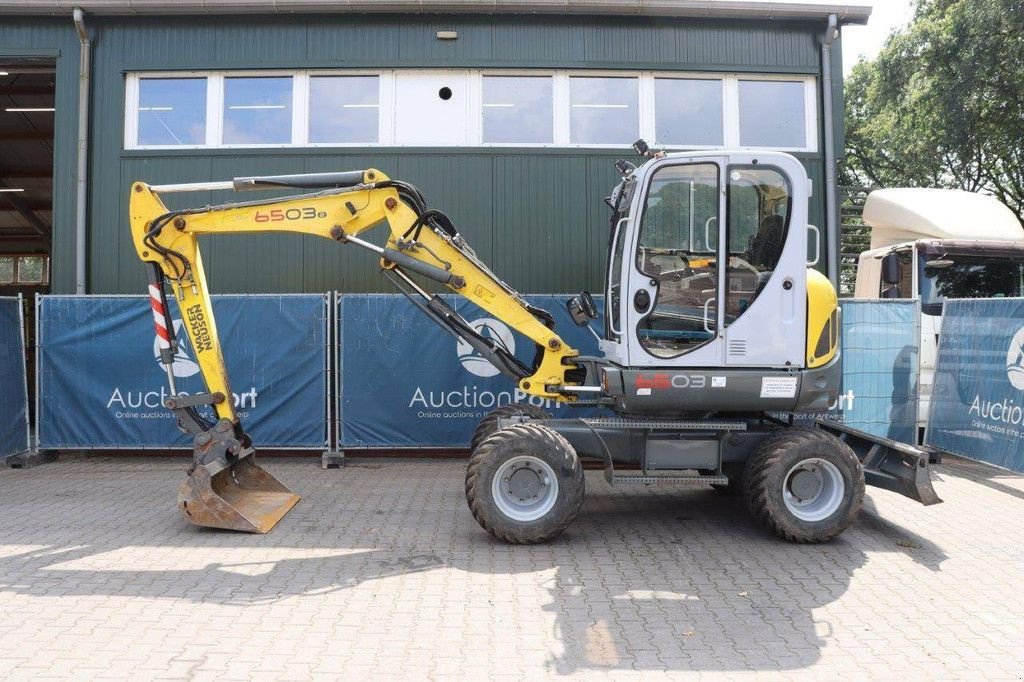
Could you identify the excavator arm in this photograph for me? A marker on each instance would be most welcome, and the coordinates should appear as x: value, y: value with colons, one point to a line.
x: 225, y: 487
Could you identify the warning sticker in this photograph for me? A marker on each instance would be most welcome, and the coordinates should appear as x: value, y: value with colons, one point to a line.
x: 717, y: 382
x: 778, y: 387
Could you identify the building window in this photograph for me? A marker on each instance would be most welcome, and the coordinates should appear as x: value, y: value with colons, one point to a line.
x: 772, y: 114
x: 470, y: 107
x: 172, y: 111
x: 24, y: 270
x: 688, y: 112
x: 604, y: 110
x: 518, y: 110
x: 344, y: 109
x: 257, y: 110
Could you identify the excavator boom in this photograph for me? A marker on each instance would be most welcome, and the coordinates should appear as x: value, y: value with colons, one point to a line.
x: 225, y: 488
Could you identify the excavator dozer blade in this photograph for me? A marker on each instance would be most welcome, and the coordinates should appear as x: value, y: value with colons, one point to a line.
x: 239, y: 495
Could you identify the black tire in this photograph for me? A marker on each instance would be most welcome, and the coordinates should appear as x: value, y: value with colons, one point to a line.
x: 489, y: 424
x: 519, y: 440
x: 764, y: 483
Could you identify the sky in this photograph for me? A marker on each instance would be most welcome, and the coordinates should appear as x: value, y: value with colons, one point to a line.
x: 867, y: 40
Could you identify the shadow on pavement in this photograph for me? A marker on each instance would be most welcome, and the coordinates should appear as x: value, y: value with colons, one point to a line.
x: 679, y: 580
x: 983, y: 474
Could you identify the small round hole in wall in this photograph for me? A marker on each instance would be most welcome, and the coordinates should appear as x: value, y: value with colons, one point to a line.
x: 445, y: 93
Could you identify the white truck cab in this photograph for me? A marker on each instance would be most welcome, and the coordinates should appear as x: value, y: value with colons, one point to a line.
x: 933, y: 244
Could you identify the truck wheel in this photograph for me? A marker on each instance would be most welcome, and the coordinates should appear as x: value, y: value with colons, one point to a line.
x: 524, y: 484
x: 804, y: 485
x: 489, y: 424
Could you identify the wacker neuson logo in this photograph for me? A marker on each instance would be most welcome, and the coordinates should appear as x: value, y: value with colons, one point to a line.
x: 471, y: 401
x: 183, y: 367
x: 1005, y: 411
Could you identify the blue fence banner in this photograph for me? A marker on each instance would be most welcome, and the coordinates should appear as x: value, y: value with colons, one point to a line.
x: 405, y: 382
x: 14, y: 438
x: 101, y: 385
x: 880, y: 342
x: 879, y: 348
x: 977, y: 406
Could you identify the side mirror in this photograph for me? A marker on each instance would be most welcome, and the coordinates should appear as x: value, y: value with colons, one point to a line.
x: 582, y: 309
x: 891, y: 268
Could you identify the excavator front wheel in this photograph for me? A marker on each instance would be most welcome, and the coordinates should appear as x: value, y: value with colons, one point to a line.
x: 524, y: 484
x: 489, y: 424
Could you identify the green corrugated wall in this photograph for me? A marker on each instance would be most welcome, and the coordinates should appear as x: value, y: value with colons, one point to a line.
x: 535, y: 214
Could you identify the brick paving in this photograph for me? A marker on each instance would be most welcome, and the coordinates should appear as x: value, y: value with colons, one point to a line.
x: 381, y: 572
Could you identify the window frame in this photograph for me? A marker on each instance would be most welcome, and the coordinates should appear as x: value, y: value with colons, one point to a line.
x: 727, y: 235
x: 382, y: 125
x: 810, y: 109
x: 651, y: 97
x: 477, y: 101
x: 16, y: 281
x: 389, y: 79
x: 719, y: 299
x: 296, y: 118
x: 566, y: 104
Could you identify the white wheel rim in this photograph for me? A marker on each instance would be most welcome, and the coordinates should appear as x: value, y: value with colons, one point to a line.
x: 525, y: 488
x: 813, y: 489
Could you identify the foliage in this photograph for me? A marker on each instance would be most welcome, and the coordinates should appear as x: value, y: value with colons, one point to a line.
x: 943, y: 103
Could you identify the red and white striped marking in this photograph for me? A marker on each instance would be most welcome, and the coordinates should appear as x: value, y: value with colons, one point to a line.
x: 156, y: 302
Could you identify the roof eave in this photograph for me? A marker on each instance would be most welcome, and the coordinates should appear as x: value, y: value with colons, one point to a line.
x: 717, y: 9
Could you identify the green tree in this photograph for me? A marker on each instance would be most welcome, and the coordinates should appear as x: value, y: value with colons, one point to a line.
x: 943, y: 103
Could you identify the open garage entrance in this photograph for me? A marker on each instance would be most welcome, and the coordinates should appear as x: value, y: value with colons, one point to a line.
x: 27, y: 90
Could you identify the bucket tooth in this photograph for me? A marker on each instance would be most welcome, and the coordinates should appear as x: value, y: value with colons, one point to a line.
x: 239, y: 495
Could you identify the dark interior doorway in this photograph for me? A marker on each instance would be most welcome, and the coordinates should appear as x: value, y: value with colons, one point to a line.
x: 27, y: 101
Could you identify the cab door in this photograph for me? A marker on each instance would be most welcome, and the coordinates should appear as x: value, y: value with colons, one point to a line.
x: 672, y: 278
x: 766, y: 233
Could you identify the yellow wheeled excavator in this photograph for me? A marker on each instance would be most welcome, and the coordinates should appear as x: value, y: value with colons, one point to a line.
x: 716, y: 321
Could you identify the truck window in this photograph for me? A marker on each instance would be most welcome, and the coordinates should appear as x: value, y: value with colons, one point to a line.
x: 968, y: 276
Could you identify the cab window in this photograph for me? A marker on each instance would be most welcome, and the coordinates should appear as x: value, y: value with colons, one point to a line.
x: 677, y: 250
x: 622, y: 200
x: 759, y: 205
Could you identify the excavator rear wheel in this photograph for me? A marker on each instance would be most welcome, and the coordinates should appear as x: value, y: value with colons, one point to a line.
x: 805, y: 485
x: 524, y: 484
x: 489, y: 424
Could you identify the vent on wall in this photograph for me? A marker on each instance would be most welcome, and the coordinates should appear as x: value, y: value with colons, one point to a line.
x: 737, y: 348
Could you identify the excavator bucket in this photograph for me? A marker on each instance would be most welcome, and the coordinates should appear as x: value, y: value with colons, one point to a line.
x: 239, y: 495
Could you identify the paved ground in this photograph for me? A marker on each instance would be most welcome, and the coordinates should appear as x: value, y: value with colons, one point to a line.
x: 382, y: 572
